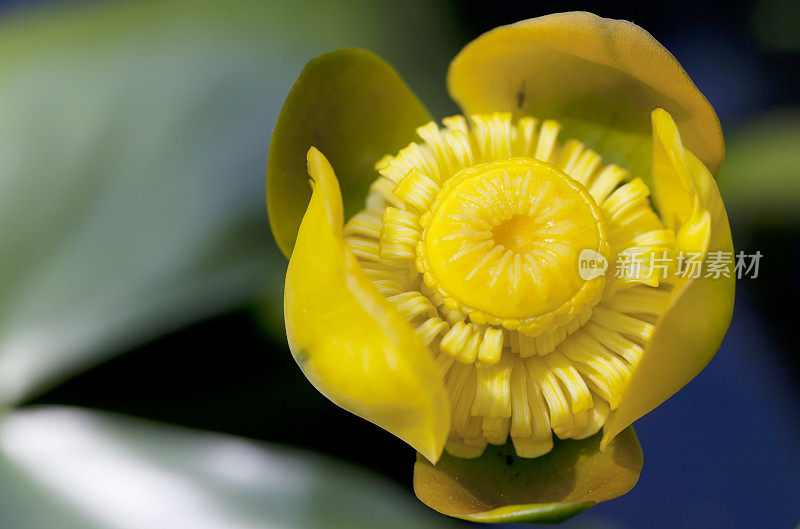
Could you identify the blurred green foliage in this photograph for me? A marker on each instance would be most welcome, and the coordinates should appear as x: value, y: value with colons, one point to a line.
x: 132, y: 153
x: 67, y: 468
x: 132, y: 159
x: 760, y: 178
x: 775, y: 24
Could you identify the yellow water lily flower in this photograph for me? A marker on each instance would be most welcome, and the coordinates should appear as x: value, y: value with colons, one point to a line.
x: 505, y: 291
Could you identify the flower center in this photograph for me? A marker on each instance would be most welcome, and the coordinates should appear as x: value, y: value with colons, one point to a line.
x: 519, y: 234
x: 475, y: 235
x: 502, y: 242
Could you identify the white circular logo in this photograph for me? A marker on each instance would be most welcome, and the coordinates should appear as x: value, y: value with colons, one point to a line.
x: 591, y: 264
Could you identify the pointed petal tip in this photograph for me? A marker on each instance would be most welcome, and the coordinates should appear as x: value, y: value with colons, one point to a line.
x: 350, y: 342
x: 431, y: 451
x: 312, y: 156
x: 690, y: 331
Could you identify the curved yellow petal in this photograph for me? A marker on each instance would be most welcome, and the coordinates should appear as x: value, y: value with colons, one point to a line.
x: 354, y: 107
x: 691, y: 329
x: 601, y: 78
x: 500, y: 487
x: 349, y: 341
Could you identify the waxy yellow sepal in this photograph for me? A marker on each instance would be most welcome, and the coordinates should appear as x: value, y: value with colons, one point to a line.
x: 351, y: 105
x: 689, y: 332
x: 599, y: 77
x: 500, y: 487
x: 349, y: 341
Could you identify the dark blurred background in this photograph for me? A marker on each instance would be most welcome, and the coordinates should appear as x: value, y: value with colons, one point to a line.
x: 722, y: 453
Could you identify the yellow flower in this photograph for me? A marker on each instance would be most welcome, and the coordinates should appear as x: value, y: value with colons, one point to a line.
x: 498, y: 289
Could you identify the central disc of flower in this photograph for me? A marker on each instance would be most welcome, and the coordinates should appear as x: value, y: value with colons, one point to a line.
x: 475, y: 234
x: 502, y: 242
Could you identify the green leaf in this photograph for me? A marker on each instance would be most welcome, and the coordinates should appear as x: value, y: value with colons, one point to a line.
x: 132, y: 164
x: 69, y: 468
x: 354, y: 108
x: 500, y: 487
x: 759, y: 177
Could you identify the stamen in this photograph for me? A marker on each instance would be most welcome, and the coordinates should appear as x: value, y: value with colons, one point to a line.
x: 523, y: 345
x: 642, y: 300
x: 456, y: 123
x: 399, y: 235
x: 379, y: 271
x: 547, y: 140
x: 414, y: 156
x: 568, y: 156
x: 363, y: 224
x: 365, y: 249
x: 474, y: 435
x: 543, y: 345
x: 416, y: 190
x: 493, y: 394
x: 459, y: 148
x: 540, y: 440
x: 525, y: 144
x: 491, y: 346
x: 637, y: 220
x: 432, y: 328
x: 413, y: 304
x: 474, y: 235
x: 571, y: 380
x: 615, y: 342
x: 495, y: 430
x: 585, y: 167
x: 623, y: 323
x: 433, y: 137
x: 605, y: 374
x: 608, y: 179
x: 443, y: 362
x: 388, y: 287
x: 381, y: 194
x: 461, y: 386
x: 521, y: 413
x: 557, y: 403
x: 657, y: 238
x: 500, y: 132
x: 457, y: 340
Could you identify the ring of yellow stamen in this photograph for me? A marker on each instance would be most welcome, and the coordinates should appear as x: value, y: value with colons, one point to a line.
x: 501, y: 243
x: 473, y: 234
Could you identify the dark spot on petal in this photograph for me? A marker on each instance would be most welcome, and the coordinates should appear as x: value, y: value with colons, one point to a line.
x: 301, y: 358
x: 521, y: 95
